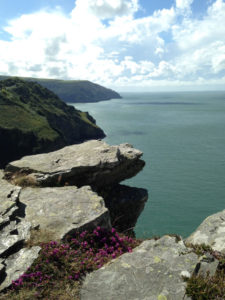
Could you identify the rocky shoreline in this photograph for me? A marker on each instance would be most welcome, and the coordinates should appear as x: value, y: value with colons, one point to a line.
x: 78, y: 188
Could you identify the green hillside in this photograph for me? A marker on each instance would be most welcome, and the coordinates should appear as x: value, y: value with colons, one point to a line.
x: 33, y: 120
x: 75, y: 90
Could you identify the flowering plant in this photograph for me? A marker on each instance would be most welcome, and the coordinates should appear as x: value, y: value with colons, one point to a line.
x: 69, y: 261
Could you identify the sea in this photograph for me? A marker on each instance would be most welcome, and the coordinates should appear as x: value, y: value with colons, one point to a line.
x: 182, y: 136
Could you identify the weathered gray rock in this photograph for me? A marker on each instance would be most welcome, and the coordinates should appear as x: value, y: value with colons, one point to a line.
x: 8, y: 199
x: 125, y: 205
x: 56, y: 210
x: 211, y: 232
x: 207, y: 266
x: 154, y: 271
x: 64, y: 209
x: 13, y: 234
x: 91, y: 163
x: 17, y: 264
x: 57, y: 206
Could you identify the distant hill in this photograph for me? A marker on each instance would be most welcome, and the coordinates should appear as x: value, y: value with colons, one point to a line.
x: 34, y: 120
x: 75, y: 90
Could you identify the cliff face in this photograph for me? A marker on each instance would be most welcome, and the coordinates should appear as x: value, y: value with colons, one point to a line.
x: 75, y: 90
x: 62, y: 192
x: 33, y: 120
x: 77, y: 188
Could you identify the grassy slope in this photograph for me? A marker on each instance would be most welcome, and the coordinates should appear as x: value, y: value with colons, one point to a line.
x: 33, y: 119
x: 75, y: 90
x: 17, y: 112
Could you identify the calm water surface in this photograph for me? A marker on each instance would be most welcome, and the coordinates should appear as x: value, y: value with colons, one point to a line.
x: 182, y: 137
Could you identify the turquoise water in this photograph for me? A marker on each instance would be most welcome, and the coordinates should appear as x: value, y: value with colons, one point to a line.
x: 182, y: 136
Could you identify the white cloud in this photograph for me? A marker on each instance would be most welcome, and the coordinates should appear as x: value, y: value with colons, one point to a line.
x: 200, y: 44
x: 194, y: 33
x: 138, y: 30
x: 167, y: 47
x: 106, y: 8
x: 184, y: 5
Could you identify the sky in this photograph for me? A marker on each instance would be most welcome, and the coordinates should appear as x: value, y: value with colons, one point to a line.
x: 127, y: 45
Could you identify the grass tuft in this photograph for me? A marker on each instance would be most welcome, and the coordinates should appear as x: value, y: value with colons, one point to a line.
x: 200, y: 249
x: 208, y: 287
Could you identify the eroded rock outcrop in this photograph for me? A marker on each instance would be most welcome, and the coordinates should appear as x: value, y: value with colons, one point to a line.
x: 72, y: 189
x: 92, y: 163
x: 78, y: 188
x: 211, y: 232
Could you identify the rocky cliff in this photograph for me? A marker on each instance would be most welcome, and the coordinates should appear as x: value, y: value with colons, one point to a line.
x: 78, y: 188
x: 34, y: 120
x: 75, y: 90
x: 62, y: 192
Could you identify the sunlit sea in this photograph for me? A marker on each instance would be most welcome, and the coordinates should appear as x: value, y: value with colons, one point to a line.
x: 182, y: 135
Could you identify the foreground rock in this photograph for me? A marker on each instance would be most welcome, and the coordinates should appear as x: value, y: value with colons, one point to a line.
x: 211, y: 232
x: 16, y: 265
x: 57, y: 211
x: 63, y: 192
x: 91, y: 163
x: 154, y: 271
x: 9, y: 194
x: 61, y: 211
x: 14, y: 231
x: 12, y: 236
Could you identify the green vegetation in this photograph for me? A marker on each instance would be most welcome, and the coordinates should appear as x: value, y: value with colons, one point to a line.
x: 75, y: 90
x: 200, y: 250
x: 207, y: 287
x: 33, y: 120
x: 20, y: 118
x: 86, y: 117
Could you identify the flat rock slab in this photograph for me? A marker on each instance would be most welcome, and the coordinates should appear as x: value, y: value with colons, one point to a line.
x: 17, y: 264
x: 91, y: 163
x: 152, y: 272
x: 9, y: 195
x: 64, y: 209
x: 211, y: 232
